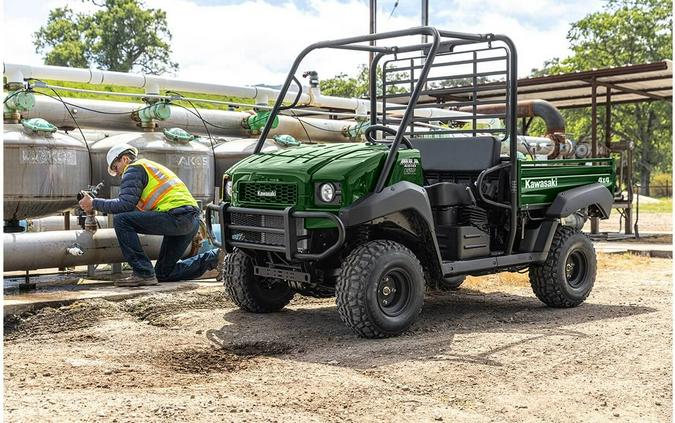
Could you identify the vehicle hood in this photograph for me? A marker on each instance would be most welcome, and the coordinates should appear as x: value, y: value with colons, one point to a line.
x: 329, y: 161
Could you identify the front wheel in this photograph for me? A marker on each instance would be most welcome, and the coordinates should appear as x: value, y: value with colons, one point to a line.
x: 380, y: 289
x: 567, y: 276
x: 250, y: 292
x: 451, y: 283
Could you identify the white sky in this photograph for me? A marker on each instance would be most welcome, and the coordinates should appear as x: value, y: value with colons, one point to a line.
x: 255, y: 41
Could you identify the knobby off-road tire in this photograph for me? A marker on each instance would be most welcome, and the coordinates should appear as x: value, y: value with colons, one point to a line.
x: 250, y: 292
x: 567, y: 276
x: 380, y: 289
x: 452, y: 283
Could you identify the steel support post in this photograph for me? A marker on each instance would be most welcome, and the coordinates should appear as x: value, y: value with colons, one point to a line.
x: 595, y: 223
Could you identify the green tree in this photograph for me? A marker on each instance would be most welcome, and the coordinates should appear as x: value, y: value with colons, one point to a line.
x: 624, y: 32
x: 121, y: 36
x: 343, y: 85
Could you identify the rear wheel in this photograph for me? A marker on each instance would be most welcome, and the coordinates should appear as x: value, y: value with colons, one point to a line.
x: 380, y: 289
x: 567, y: 276
x: 250, y: 292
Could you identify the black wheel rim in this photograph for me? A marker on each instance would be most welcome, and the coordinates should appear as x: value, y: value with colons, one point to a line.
x: 393, y: 291
x: 575, y: 269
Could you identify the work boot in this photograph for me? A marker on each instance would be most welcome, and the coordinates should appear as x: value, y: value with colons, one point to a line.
x: 220, y: 265
x: 135, y: 280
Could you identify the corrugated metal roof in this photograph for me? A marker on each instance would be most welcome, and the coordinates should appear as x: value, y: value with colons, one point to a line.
x: 631, y: 83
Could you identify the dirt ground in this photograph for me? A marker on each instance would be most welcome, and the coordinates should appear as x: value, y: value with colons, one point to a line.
x: 647, y: 222
x: 488, y: 352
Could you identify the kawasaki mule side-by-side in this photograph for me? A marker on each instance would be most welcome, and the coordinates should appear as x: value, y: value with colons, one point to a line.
x: 427, y: 200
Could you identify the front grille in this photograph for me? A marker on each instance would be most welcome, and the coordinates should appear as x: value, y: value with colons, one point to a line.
x: 259, y: 221
x: 275, y: 193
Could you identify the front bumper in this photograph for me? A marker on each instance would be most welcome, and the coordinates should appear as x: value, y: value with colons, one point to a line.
x: 284, y: 233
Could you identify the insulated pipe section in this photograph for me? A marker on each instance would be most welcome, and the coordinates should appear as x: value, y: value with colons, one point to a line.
x: 362, y: 106
x: 545, y: 146
x: 117, y: 116
x: 151, y: 83
x: 555, y: 123
x: 57, y: 223
x: 68, y: 248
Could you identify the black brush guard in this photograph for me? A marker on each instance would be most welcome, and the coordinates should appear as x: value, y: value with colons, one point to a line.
x: 289, y: 230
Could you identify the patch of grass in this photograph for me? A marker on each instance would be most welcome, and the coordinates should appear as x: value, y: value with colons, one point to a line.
x: 665, y: 205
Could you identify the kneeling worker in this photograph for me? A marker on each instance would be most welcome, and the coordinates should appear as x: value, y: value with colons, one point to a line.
x: 154, y: 201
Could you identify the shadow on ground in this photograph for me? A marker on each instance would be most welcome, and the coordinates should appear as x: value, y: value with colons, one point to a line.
x: 316, y: 333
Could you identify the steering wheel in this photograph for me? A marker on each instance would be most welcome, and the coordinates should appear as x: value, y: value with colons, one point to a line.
x: 391, y: 131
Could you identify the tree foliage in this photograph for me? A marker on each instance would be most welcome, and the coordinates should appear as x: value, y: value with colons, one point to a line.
x: 343, y: 85
x: 121, y: 36
x: 624, y: 32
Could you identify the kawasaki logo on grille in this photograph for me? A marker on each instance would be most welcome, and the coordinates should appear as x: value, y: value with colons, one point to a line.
x: 546, y: 183
x: 267, y: 193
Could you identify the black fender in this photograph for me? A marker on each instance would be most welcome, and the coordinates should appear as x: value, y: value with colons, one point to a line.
x: 399, y: 197
x: 595, y: 196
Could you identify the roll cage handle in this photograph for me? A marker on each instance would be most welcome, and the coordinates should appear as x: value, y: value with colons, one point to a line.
x: 479, y: 185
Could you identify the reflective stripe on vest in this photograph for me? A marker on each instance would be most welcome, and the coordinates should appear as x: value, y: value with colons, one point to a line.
x: 157, y: 194
x: 164, y: 190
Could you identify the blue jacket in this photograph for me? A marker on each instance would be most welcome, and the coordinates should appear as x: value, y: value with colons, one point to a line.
x: 134, y: 181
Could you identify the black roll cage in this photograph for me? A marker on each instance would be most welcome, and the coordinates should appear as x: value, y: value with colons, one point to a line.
x: 437, y: 45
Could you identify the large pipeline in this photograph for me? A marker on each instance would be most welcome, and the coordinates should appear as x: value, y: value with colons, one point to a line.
x: 117, y: 116
x: 43, y: 250
x: 153, y: 84
x: 57, y: 223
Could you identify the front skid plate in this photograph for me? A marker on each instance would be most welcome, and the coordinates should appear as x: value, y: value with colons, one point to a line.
x: 288, y: 275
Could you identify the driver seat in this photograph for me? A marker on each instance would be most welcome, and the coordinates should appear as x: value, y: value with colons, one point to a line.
x: 450, y: 166
x: 459, y: 155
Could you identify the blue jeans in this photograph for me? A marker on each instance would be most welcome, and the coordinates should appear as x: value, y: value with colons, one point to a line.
x: 178, y: 226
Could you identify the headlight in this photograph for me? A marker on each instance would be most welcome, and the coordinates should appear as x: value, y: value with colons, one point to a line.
x: 228, y: 189
x: 327, y: 192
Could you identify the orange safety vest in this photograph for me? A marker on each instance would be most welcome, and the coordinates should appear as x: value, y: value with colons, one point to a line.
x: 164, y: 190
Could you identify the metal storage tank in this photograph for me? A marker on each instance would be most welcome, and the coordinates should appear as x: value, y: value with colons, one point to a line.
x: 43, y: 169
x: 230, y: 152
x: 191, y: 159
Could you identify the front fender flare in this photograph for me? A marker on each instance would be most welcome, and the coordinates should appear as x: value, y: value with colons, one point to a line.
x: 401, y: 196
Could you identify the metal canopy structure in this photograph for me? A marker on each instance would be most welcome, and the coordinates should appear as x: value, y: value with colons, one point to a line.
x: 625, y: 84
x: 616, y: 85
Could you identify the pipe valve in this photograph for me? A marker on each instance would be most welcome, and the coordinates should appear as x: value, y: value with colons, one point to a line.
x: 256, y: 122
x: 75, y: 250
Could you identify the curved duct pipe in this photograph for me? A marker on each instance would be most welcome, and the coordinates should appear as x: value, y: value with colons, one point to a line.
x: 555, y: 124
x: 69, y: 248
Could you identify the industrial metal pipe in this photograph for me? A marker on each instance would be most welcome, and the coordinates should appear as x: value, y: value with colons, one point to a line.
x: 43, y: 250
x: 555, y: 123
x: 153, y: 84
x: 117, y: 116
x: 57, y: 223
x: 528, y: 108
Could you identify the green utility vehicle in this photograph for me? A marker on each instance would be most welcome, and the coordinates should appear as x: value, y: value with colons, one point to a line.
x: 424, y: 202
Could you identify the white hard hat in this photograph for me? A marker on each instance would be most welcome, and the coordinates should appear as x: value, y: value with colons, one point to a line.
x: 115, y: 152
